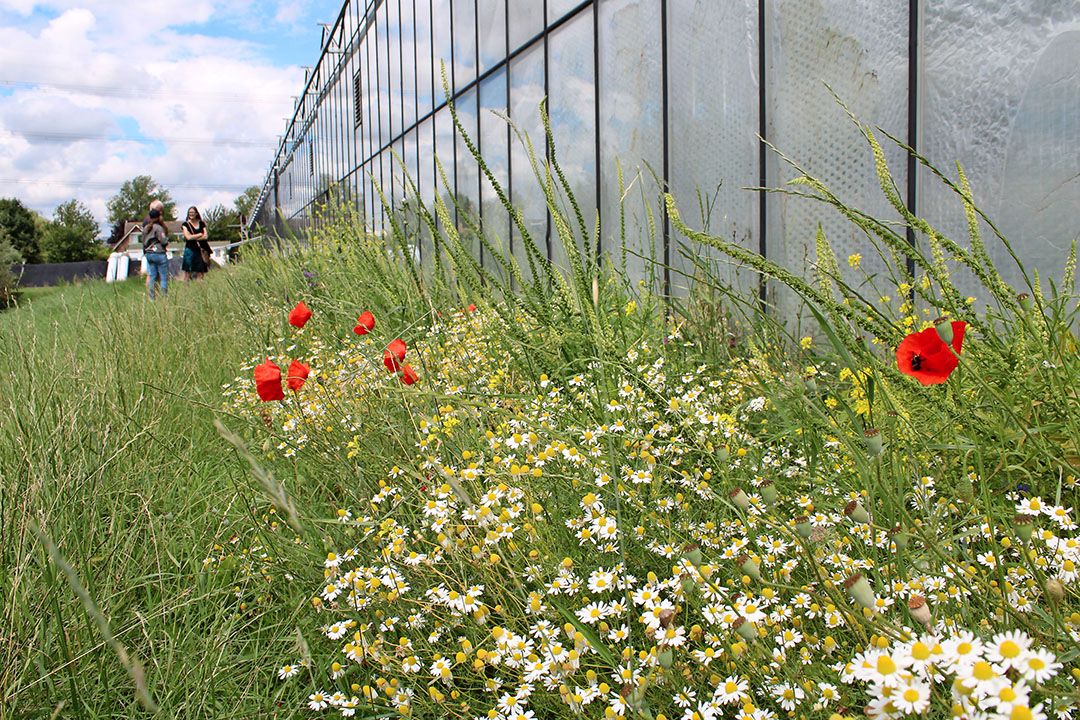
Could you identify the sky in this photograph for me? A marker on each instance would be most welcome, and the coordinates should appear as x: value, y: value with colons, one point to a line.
x: 191, y: 92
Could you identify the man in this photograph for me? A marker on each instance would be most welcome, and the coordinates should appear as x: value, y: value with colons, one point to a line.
x: 155, y: 240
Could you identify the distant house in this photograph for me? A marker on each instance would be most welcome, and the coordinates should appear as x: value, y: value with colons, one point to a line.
x: 130, y: 242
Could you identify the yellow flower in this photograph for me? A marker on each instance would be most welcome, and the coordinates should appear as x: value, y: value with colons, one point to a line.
x: 854, y: 260
x: 806, y: 342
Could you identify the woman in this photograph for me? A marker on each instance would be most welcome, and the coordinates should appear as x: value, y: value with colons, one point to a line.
x: 196, y: 248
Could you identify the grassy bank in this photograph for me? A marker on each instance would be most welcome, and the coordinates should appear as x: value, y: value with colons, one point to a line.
x: 107, y: 444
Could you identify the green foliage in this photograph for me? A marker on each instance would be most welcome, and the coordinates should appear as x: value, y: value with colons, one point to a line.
x: 133, y: 200
x: 8, y: 256
x: 22, y: 230
x: 222, y: 224
x: 72, y: 235
x: 245, y: 201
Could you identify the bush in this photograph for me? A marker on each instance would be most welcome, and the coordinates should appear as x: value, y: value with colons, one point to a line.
x: 8, y: 282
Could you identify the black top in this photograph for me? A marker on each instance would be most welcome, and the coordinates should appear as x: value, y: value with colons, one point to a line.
x: 195, y: 230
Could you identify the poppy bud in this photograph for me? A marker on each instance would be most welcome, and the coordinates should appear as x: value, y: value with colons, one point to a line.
x: 1024, y: 526
x: 965, y: 489
x: 297, y: 375
x: 857, y: 512
x: 408, y: 375
x: 872, y: 438
x: 365, y: 323
x: 740, y: 498
x: 803, y: 527
x: 688, y: 584
x: 749, y: 566
x: 692, y: 553
x: 1055, y: 590
x: 944, y: 329
x: 860, y: 590
x: 744, y: 628
x: 1025, y: 301
x: 810, y: 382
x: 768, y: 492
x: 299, y: 315
x: 268, y: 381
x: 722, y: 455
x: 900, y: 537
x: 666, y: 658
x: 919, y: 610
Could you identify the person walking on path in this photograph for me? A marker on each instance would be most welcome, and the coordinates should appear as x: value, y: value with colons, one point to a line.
x: 196, y: 248
x: 155, y: 240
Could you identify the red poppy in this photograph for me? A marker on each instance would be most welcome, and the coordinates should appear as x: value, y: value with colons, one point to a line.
x: 408, y: 375
x: 925, y: 356
x: 471, y: 308
x: 365, y: 323
x: 394, y: 355
x: 268, y: 381
x: 299, y: 315
x: 298, y: 373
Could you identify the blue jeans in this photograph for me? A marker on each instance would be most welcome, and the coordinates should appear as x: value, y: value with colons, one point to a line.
x: 157, y: 267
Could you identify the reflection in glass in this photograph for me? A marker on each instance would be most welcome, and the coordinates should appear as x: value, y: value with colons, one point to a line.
x: 393, y: 51
x: 408, y: 64
x: 440, y: 19
x: 423, y: 57
x: 526, y: 92
x: 573, y: 121
x: 464, y: 42
x: 526, y: 21
x: 494, y: 149
x: 556, y: 9
x: 491, y: 15
x: 468, y: 174
x: 631, y: 132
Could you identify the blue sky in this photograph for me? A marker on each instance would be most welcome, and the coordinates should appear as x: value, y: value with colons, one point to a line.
x: 192, y: 92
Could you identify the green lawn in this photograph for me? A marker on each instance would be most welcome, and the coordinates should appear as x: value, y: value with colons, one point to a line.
x: 107, y: 443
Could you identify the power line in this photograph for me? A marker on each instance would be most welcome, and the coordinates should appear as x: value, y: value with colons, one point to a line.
x: 108, y: 184
x: 216, y: 142
x: 127, y: 91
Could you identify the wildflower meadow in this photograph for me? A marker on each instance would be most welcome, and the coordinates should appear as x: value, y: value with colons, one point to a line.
x: 466, y: 491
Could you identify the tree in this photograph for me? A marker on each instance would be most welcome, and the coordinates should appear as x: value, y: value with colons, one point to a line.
x: 72, y: 235
x: 8, y: 256
x: 222, y: 224
x: 134, y: 198
x: 245, y: 202
x: 18, y: 222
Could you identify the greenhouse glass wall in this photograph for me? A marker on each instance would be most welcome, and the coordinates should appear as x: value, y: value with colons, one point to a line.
x: 690, y: 94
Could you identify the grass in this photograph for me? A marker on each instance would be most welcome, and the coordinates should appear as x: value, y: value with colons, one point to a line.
x: 107, y: 444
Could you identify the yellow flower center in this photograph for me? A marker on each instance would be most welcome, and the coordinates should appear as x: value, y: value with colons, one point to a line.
x: 911, y: 695
x: 1009, y: 649
x: 920, y: 651
x: 885, y: 665
x: 982, y: 670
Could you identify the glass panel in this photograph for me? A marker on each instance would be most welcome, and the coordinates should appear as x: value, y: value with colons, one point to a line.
x: 408, y: 64
x: 444, y: 151
x: 425, y: 144
x: 492, y: 17
x: 423, y: 57
x: 371, y: 98
x: 440, y: 19
x: 468, y: 175
x: 393, y: 51
x: 556, y: 9
x: 860, y: 51
x: 464, y: 42
x: 526, y: 92
x: 382, y: 61
x: 632, y: 130
x: 526, y: 21
x: 573, y: 121
x: 494, y: 149
x: 1001, y: 95
x: 714, y: 148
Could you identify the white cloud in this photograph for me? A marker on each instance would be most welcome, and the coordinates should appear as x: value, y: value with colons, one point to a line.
x: 76, y: 78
